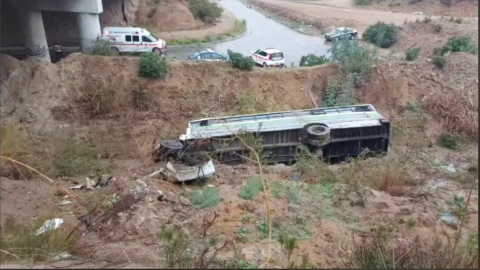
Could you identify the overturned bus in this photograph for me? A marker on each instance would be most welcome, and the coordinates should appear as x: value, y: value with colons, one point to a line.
x: 329, y: 133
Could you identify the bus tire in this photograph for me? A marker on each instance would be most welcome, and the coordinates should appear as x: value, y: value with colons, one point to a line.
x: 317, y: 132
x: 166, y: 149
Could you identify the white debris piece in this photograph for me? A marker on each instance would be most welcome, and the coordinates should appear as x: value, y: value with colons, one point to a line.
x: 50, y: 225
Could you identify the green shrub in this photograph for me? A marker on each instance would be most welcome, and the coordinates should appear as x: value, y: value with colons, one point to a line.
x: 412, y: 54
x: 439, y: 61
x: 310, y: 60
x: 240, y: 62
x: 207, y: 197
x: 250, y: 189
x: 362, y: 2
x: 153, y: 65
x: 458, y: 44
x: 381, y: 34
x: 102, y: 46
x: 353, y: 60
x: 451, y: 140
x: 205, y: 10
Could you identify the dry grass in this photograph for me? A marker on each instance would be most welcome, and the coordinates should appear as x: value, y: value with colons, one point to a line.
x: 20, y: 242
x: 96, y: 98
x: 55, y: 156
x: 145, y: 148
x: 458, y: 109
x: 394, y: 182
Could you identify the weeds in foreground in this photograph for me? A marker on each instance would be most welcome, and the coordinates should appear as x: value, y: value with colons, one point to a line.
x: 102, y: 46
x: 97, y: 98
x: 241, y: 234
x: 412, y: 54
x: 458, y: 110
x: 140, y: 99
x: 451, y: 141
x: 20, y: 242
x: 153, y: 65
x: 377, y: 254
x: 181, y: 251
x: 239, y: 61
x: 208, y: 197
x: 251, y: 188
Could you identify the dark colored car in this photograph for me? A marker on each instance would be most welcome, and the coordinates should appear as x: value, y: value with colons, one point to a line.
x: 209, y: 55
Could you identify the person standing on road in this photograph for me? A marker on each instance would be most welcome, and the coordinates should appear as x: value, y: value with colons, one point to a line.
x: 58, y: 51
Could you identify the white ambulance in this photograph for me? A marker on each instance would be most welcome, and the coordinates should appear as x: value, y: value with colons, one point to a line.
x: 133, y: 39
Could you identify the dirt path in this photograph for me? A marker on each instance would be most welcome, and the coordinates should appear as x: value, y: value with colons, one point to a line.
x: 336, y: 13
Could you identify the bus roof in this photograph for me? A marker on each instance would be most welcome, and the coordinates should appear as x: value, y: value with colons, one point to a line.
x: 334, y: 117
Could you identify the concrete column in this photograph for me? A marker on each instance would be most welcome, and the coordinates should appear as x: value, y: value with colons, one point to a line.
x: 35, y: 37
x: 89, y: 29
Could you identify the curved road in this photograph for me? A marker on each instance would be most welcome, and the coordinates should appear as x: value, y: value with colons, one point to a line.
x: 262, y: 32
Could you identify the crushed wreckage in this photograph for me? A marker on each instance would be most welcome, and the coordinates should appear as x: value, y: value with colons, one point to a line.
x: 328, y: 133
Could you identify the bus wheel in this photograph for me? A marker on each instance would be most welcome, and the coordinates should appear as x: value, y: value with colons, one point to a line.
x: 317, y: 132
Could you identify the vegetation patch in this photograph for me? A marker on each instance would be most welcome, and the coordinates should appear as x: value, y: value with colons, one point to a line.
x: 240, y: 28
x: 362, y: 2
x: 208, y: 197
x: 239, y: 61
x: 311, y: 60
x: 102, y: 46
x: 153, y: 65
x: 458, y: 44
x: 381, y: 34
x: 206, y: 11
x: 451, y: 141
x: 412, y: 54
x: 251, y: 188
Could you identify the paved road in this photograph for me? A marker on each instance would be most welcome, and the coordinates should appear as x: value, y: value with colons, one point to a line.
x: 263, y: 32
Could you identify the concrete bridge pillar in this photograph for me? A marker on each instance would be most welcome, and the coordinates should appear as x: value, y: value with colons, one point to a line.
x: 89, y: 29
x: 35, y: 37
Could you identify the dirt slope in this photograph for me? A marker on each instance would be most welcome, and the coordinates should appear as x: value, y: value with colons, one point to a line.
x: 47, y: 95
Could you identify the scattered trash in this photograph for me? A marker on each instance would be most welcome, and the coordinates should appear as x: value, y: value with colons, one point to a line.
x: 88, y: 183
x: 65, y: 202
x: 188, y: 173
x: 62, y: 256
x: 436, y: 183
x: 450, y: 220
x: 449, y: 168
x: 104, y: 181
x: 77, y: 187
x: 49, y: 225
x: 160, y: 195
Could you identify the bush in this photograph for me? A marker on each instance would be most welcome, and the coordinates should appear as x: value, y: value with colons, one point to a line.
x: 458, y: 44
x: 362, y: 2
x: 381, y: 34
x: 153, y: 65
x: 250, y: 189
x: 207, y: 197
x: 353, y: 60
x: 439, y: 61
x: 451, y: 140
x: 311, y: 60
x: 412, y: 54
x: 102, y: 46
x: 205, y: 10
x: 241, y: 62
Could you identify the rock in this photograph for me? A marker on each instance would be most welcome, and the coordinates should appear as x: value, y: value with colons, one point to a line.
x: 277, y: 168
x: 406, y: 211
x: 449, y: 168
x: 160, y: 195
x: 184, y: 201
x: 381, y: 205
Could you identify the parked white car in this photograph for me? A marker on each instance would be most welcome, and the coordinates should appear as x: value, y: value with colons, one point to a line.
x: 268, y: 57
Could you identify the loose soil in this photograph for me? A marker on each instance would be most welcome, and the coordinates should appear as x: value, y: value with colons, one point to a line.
x: 329, y: 14
x: 49, y: 99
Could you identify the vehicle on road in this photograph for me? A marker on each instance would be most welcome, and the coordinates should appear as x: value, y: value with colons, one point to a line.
x: 268, y: 57
x: 209, y: 55
x: 133, y: 39
x: 328, y: 133
x: 341, y: 32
